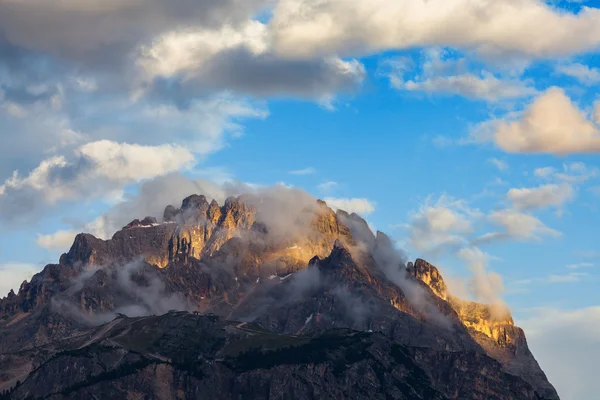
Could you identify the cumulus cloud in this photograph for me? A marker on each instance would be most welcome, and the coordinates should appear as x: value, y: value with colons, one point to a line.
x: 541, y: 197
x: 351, y: 205
x: 240, y: 60
x: 440, y: 224
x: 552, y: 124
x: 309, y: 27
x: 176, y: 51
x: 566, y: 344
x: 98, y: 169
x: 583, y: 73
x: 85, y: 32
x: 516, y: 226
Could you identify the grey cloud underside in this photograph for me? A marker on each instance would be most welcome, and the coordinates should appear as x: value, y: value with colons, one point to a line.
x: 92, y: 33
x: 24, y: 205
x: 103, y: 40
x: 264, y: 75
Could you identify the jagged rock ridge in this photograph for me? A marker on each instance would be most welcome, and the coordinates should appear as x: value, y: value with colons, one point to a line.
x: 328, y: 272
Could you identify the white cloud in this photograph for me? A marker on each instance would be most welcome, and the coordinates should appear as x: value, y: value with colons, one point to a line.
x: 177, y: 51
x: 583, y: 73
x: 442, y: 141
x: 327, y: 186
x: 552, y: 124
x: 124, y: 162
x: 516, y: 226
x: 98, y: 163
x: 486, y: 87
x: 575, y: 172
x: 571, y: 277
x: 309, y: 27
x: 588, y: 254
x: 58, y: 241
x: 45, y: 27
x: 305, y: 171
x: 358, y: 206
x: 566, y: 343
x: 441, y: 74
x: 440, y: 224
x: 541, y: 197
x: 545, y: 172
x: 12, y: 275
x: 500, y: 164
x: 98, y: 170
x: 580, y: 265
x: 240, y: 58
x: 487, y: 286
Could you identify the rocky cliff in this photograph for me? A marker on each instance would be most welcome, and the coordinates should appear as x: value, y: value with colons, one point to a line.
x: 286, y: 275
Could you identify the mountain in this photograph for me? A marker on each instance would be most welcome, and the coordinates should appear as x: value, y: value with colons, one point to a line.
x: 278, y: 297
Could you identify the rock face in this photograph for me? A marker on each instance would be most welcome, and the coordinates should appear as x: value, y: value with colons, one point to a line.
x: 492, y: 327
x: 181, y: 355
x: 323, y: 307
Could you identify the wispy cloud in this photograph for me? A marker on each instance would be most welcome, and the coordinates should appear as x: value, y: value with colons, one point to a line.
x: 583, y: 73
x: 305, y: 171
x: 541, y: 197
x: 350, y: 205
x: 441, y: 73
x: 580, y: 265
x: 327, y: 186
x: 500, y: 164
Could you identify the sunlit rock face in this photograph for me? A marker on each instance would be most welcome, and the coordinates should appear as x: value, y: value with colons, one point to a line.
x: 429, y: 274
x: 487, y: 319
x: 199, y: 229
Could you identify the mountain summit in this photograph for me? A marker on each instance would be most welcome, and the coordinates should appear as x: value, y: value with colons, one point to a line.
x: 266, y: 297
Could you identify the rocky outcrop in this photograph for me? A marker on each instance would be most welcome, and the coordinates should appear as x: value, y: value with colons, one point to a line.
x: 430, y: 275
x: 492, y: 327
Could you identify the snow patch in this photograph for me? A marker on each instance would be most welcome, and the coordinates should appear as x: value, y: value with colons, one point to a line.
x: 285, y: 277
x: 272, y: 277
x: 309, y: 319
x: 152, y: 225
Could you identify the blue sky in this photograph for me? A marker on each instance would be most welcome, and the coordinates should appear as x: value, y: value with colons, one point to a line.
x: 466, y: 130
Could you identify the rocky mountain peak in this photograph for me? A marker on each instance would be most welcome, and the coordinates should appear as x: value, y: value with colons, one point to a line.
x: 430, y: 275
x: 194, y: 201
x: 327, y: 270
